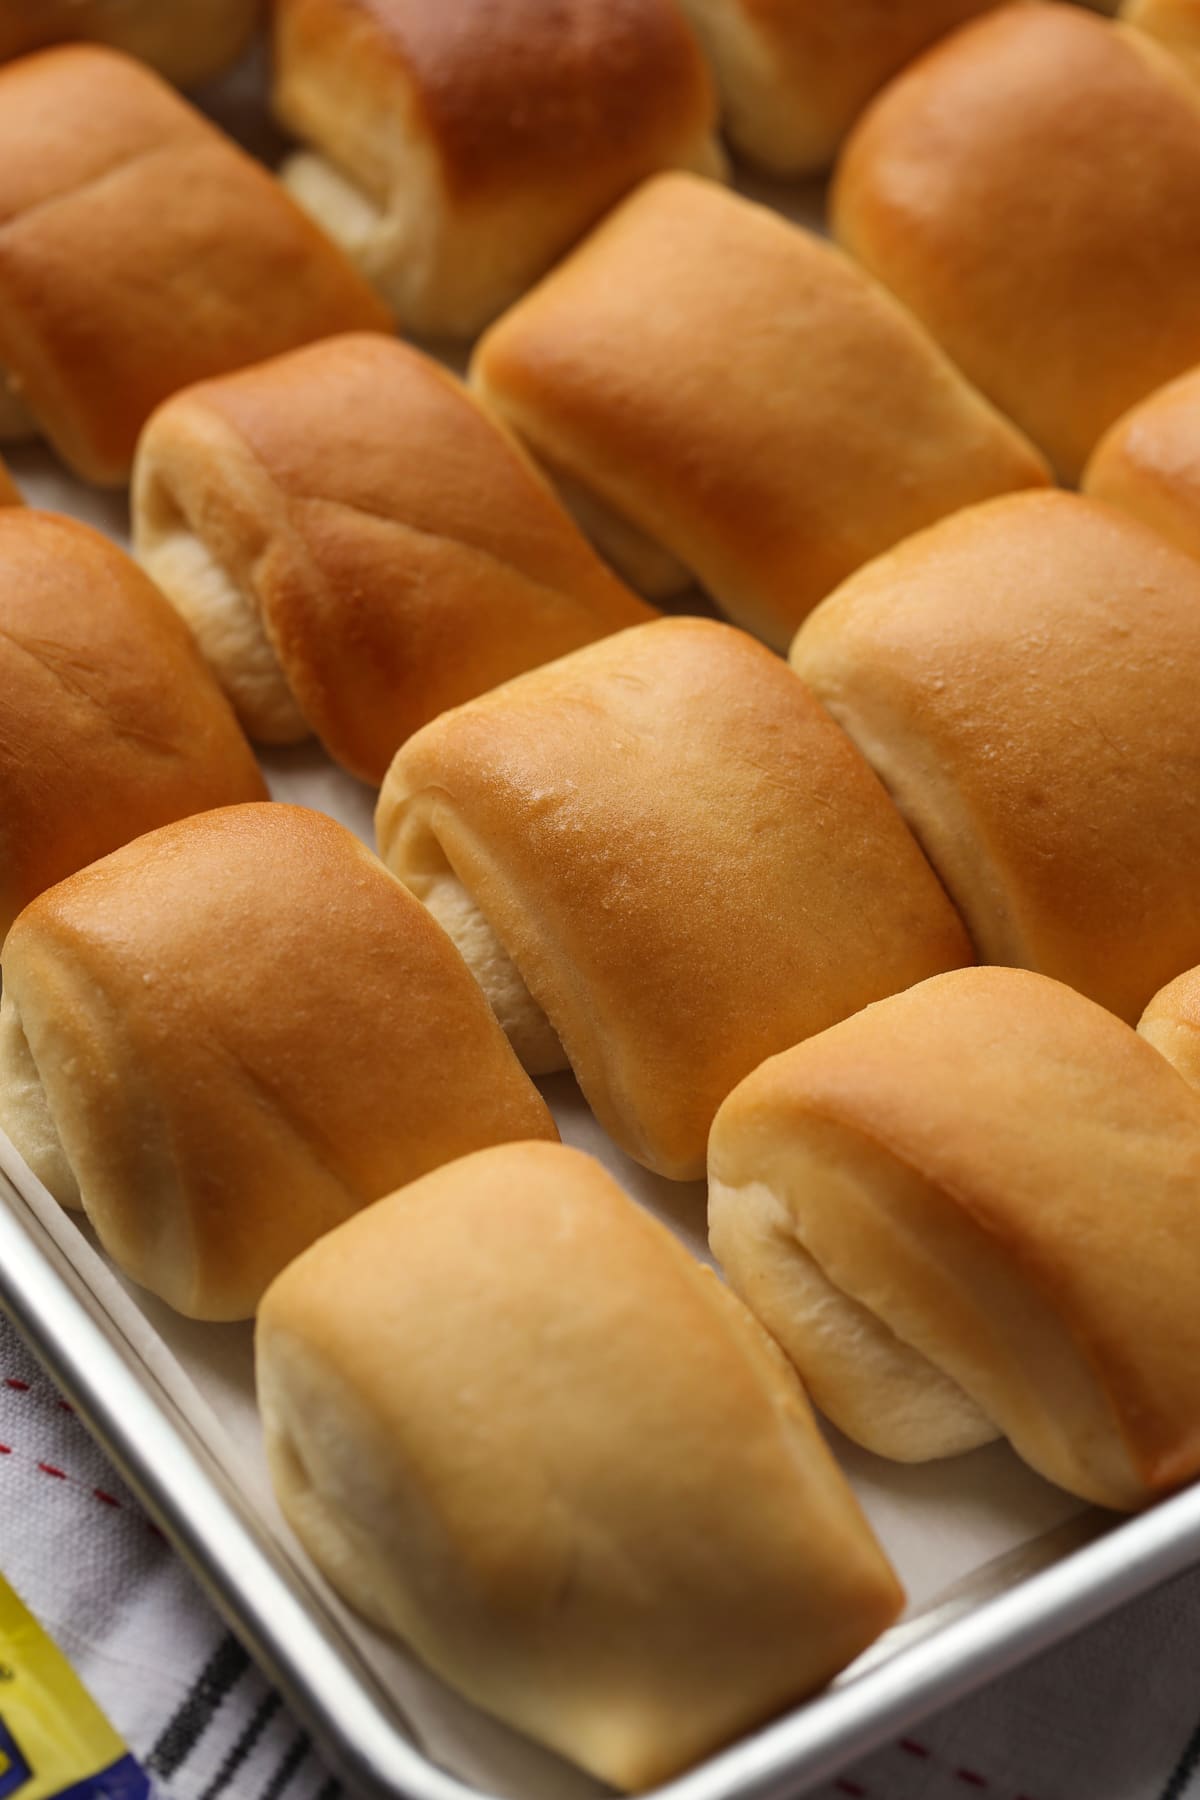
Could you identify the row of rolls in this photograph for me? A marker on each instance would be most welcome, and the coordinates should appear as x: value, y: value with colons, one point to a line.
x: 743, y: 899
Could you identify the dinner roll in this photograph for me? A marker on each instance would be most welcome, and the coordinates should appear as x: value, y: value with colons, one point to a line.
x: 227, y: 1037
x: 141, y: 250
x: 662, y: 851
x: 1148, y: 464
x: 1023, y: 679
x: 972, y: 1209
x: 795, y: 74
x: 737, y: 394
x: 1044, y: 229
x: 186, y: 40
x: 1171, y: 1023
x: 458, y: 150
x: 9, y: 494
x: 357, y: 546
x: 514, y: 1422
x: 110, y: 724
x: 1174, y: 23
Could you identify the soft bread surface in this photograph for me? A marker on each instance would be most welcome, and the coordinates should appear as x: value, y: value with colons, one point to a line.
x: 186, y: 40
x: 1023, y: 678
x: 140, y: 251
x: 110, y: 723
x: 513, y: 1421
x: 239, y: 1030
x: 358, y: 546
x: 1046, y: 233
x: 1171, y: 1023
x: 748, y: 400
x: 685, y: 860
x: 795, y: 74
x: 1148, y: 464
x: 1000, y: 1178
x: 1175, y: 24
x: 461, y: 149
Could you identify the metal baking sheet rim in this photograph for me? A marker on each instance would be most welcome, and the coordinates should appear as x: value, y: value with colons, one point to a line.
x: 918, y: 1668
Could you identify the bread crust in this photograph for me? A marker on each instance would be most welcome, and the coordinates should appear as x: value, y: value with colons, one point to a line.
x: 212, y: 1132
x: 188, y: 41
x: 113, y: 293
x: 738, y: 391
x: 397, y: 549
x: 110, y: 723
x: 1065, y: 300
x: 1148, y: 463
x: 515, y: 1422
x: 687, y: 862
x: 1022, y: 678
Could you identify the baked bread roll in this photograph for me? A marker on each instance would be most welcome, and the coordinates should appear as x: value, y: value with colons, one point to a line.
x: 1023, y: 679
x: 110, y: 724
x: 225, y: 1038
x: 357, y: 546
x: 1148, y: 464
x: 9, y: 494
x: 795, y: 74
x: 186, y: 40
x: 141, y: 250
x: 1174, y: 23
x: 1171, y: 1023
x: 458, y: 150
x: 971, y: 1209
x: 1045, y: 231
x: 633, y: 1549
x: 662, y: 853
x: 737, y: 393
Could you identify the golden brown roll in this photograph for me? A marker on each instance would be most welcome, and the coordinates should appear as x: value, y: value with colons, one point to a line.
x: 1148, y: 463
x: 139, y: 251
x: 971, y: 1210
x: 1171, y: 1023
x: 9, y: 492
x: 663, y: 862
x: 357, y: 546
x: 514, y: 1422
x: 110, y: 723
x: 795, y: 74
x: 1045, y: 231
x: 458, y: 150
x: 1023, y: 679
x: 1174, y: 23
x: 186, y: 40
x: 228, y: 1036
x: 737, y: 393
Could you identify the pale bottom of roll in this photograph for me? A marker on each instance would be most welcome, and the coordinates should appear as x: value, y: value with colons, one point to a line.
x: 222, y: 618
x: 875, y: 1388
x: 25, y: 1116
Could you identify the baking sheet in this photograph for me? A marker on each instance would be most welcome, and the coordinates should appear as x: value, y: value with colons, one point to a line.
x: 957, y: 1532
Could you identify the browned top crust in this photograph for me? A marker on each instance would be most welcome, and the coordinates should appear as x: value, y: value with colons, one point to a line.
x: 140, y: 251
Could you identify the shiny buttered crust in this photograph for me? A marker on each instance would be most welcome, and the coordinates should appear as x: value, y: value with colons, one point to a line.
x: 227, y: 1037
x: 186, y: 40
x: 1171, y: 1023
x: 458, y: 150
x: 358, y: 546
x: 1047, y: 234
x: 1176, y: 26
x: 740, y: 393
x: 978, y: 1197
x: 795, y: 74
x: 1149, y: 463
x: 140, y: 251
x: 514, y: 1422
x: 688, y: 864
x: 1023, y: 678
x: 110, y: 723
